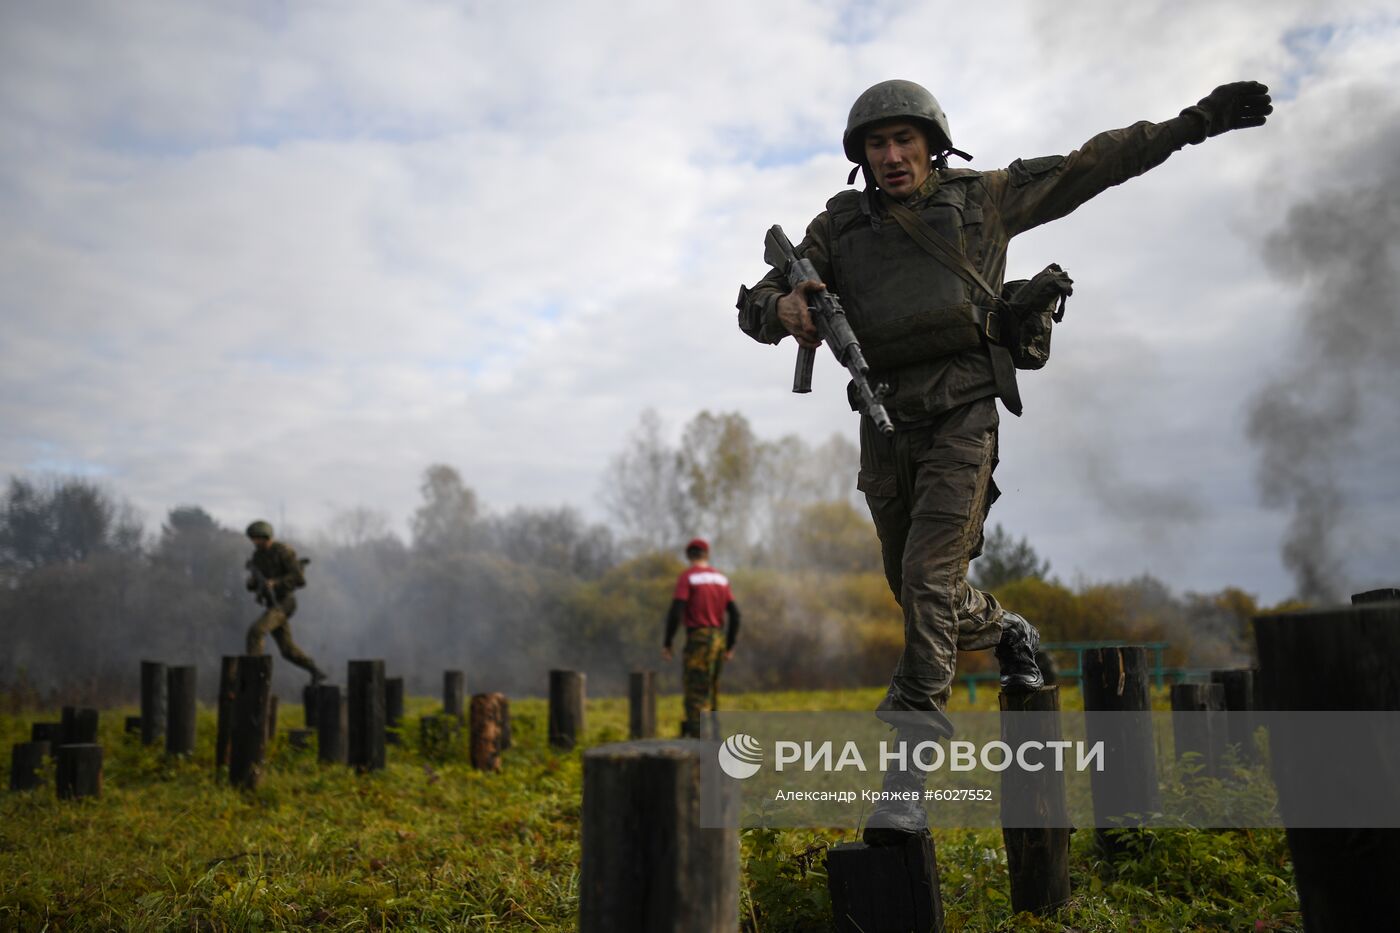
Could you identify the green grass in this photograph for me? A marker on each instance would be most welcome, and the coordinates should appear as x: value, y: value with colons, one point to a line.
x: 438, y: 846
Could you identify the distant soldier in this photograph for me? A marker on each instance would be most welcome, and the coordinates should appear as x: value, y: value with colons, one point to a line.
x: 703, y: 600
x: 273, y: 572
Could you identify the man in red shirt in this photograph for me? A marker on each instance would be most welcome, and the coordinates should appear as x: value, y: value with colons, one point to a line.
x: 703, y: 600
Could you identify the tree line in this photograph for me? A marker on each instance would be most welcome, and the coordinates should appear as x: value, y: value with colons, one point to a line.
x: 87, y: 591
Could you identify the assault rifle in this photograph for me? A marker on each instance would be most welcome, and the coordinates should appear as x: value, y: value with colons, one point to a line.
x: 832, y: 327
x: 263, y: 590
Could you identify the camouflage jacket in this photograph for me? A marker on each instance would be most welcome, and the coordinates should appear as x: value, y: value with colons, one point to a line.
x: 279, y: 564
x: 1026, y: 194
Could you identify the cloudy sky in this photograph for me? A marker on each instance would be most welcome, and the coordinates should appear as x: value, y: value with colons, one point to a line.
x: 276, y: 258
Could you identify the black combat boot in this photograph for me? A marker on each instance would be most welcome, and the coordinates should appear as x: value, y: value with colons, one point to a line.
x: 1016, y: 652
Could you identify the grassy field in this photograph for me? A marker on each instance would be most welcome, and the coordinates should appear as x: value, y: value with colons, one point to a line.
x: 438, y: 846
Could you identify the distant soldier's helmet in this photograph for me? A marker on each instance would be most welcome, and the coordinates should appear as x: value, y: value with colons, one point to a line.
x: 895, y: 100
x: 259, y: 529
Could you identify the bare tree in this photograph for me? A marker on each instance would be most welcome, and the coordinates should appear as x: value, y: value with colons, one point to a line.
x: 643, y: 491
x: 447, y: 518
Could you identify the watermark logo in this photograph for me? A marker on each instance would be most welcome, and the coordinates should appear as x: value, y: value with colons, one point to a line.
x: 740, y: 756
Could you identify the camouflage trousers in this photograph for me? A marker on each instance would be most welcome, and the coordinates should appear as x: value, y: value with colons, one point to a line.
x: 278, y: 624
x: 700, y: 666
x: 929, y: 490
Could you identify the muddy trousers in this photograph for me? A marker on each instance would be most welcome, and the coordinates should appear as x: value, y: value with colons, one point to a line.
x: 700, y: 665
x: 278, y: 624
x: 929, y: 490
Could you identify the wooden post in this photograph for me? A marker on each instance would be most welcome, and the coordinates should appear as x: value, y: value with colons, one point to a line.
x: 79, y: 726
x: 454, y: 693
x: 79, y: 771
x: 486, y: 731
x: 1198, y: 724
x: 1114, y: 682
x: 366, y: 714
x: 228, y: 696
x: 393, y: 709
x: 181, y: 703
x: 50, y: 732
x: 641, y: 704
x: 330, y: 725
x: 439, y: 736
x: 272, y: 703
x: 26, y: 762
x: 1034, y: 815
x: 1339, y: 659
x: 885, y: 888
x: 647, y: 864
x: 308, y: 706
x: 1239, y: 711
x: 566, y: 708
x: 248, y: 749
x: 152, y: 702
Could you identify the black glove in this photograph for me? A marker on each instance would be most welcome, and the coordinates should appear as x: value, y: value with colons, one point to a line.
x: 1231, y: 107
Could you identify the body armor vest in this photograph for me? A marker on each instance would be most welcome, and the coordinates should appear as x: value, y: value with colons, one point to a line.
x: 904, y: 305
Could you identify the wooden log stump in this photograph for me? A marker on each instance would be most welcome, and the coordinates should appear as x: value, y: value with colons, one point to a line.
x: 79, y: 772
x: 300, y: 739
x: 272, y: 704
x: 79, y: 726
x: 331, y: 744
x: 365, y: 710
x: 393, y: 709
x: 50, y: 732
x: 132, y: 725
x: 641, y: 704
x: 228, y: 696
x: 566, y: 708
x: 647, y: 863
x: 26, y: 765
x: 487, y: 716
x: 248, y: 748
x: 182, y: 707
x: 1335, y: 660
x: 153, y: 685
x: 454, y: 693
x: 1034, y: 813
x: 308, y: 706
x: 884, y: 889
x: 1240, y: 721
x: 1198, y: 725
x: 1114, y: 683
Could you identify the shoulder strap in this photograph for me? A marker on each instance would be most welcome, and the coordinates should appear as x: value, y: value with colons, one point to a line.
x: 938, y: 247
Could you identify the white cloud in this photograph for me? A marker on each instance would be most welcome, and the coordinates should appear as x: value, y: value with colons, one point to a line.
x: 282, y: 260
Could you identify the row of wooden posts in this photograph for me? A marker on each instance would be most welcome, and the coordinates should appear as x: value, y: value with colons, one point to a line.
x: 350, y: 726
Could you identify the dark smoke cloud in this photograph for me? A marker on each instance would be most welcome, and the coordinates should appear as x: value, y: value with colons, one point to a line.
x: 1338, y: 246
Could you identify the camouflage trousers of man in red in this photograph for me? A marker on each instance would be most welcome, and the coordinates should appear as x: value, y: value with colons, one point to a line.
x: 701, y: 664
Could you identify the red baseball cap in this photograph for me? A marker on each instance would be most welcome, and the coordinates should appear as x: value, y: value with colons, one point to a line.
x: 698, y: 543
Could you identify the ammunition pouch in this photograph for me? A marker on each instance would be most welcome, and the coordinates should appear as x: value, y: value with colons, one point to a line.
x: 1027, y: 311
x: 915, y: 338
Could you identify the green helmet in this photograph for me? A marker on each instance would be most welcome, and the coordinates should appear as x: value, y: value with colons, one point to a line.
x: 259, y: 529
x: 894, y: 100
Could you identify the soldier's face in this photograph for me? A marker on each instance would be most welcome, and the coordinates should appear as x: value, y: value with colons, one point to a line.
x: 261, y: 543
x: 898, y: 157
